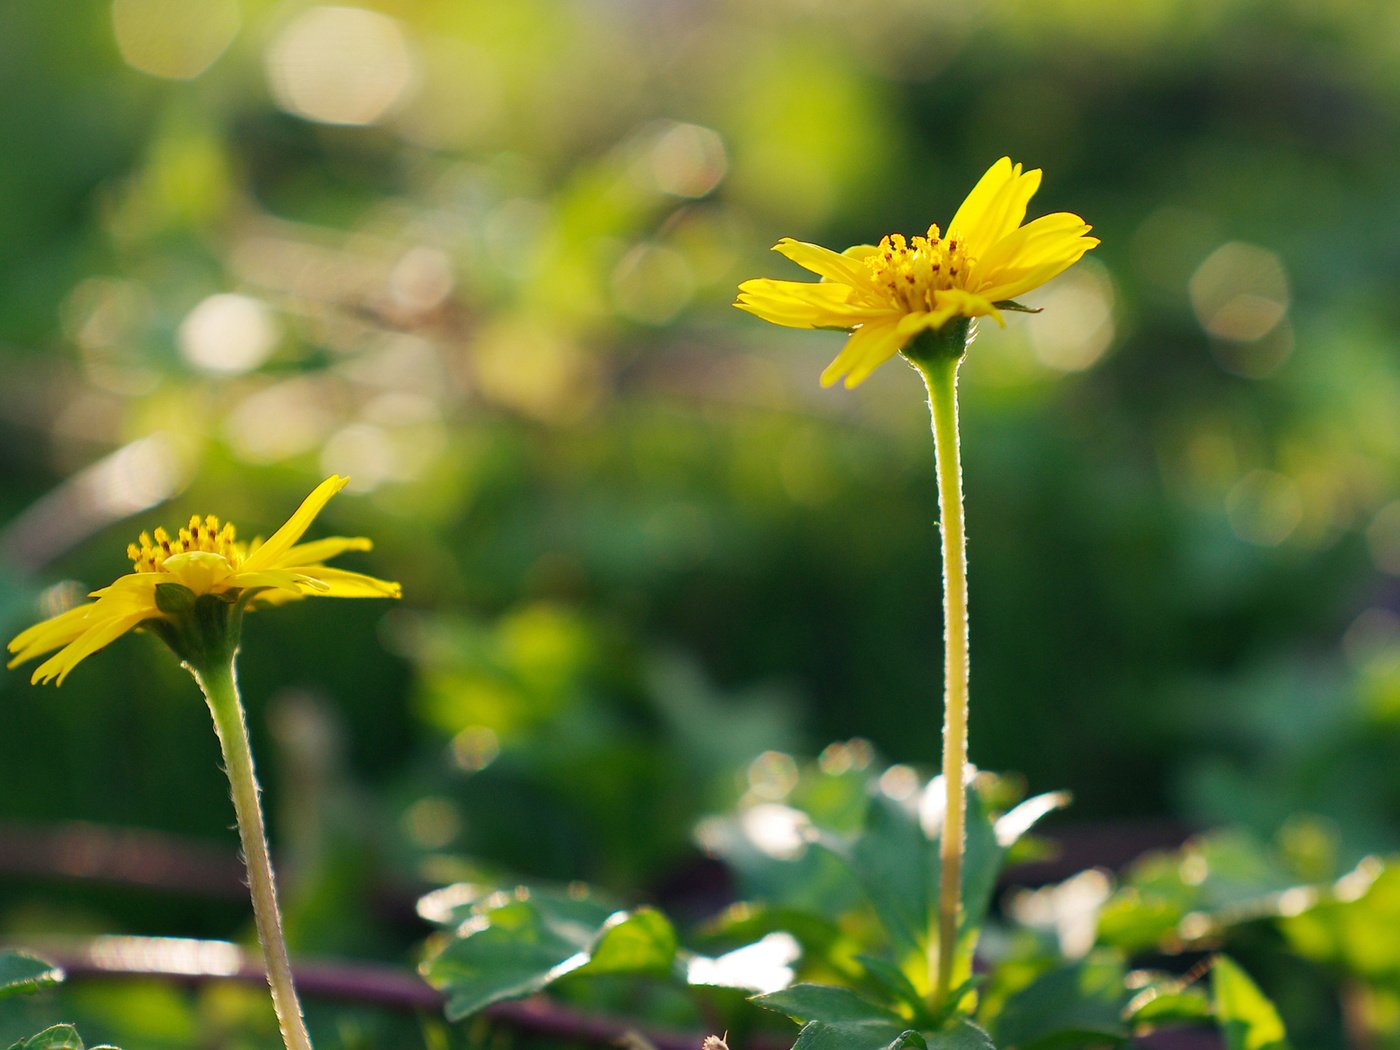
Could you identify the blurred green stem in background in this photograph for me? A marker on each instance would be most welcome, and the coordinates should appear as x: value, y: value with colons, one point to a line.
x: 937, y: 354
x: 216, y: 674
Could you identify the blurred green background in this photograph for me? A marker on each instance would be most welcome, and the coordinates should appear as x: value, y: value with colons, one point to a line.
x: 480, y: 257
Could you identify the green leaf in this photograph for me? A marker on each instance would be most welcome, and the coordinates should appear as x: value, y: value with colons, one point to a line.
x: 1356, y: 927
x: 21, y: 973
x: 875, y: 1035
x: 821, y: 1002
x: 59, y: 1037
x: 898, y: 867
x: 642, y: 941
x: 516, y: 945
x: 891, y: 982
x: 895, y: 864
x: 1247, y: 1019
x: 858, y: 1035
x: 963, y: 1036
x: 1225, y: 877
x: 1067, y: 1006
x: 1182, y: 1007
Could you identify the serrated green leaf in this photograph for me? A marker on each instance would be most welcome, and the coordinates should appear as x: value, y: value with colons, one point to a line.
x: 822, y: 1002
x: 876, y: 1035
x: 59, y: 1037
x: 858, y: 1035
x: 21, y: 973
x: 1248, y: 1020
x: 1068, y: 1005
x: 963, y: 1036
x: 520, y: 944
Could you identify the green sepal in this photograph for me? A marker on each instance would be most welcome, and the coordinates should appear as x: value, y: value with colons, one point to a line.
x: 1015, y: 307
x: 200, y: 629
x: 174, y: 599
x: 947, y: 343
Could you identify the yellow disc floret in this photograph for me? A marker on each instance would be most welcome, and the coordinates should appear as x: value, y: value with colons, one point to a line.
x: 914, y: 271
x: 202, y: 534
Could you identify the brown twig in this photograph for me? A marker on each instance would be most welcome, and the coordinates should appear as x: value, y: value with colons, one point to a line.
x: 196, y: 962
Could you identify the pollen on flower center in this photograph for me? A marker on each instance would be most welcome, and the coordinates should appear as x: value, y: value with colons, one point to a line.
x: 913, y: 270
x: 201, y: 534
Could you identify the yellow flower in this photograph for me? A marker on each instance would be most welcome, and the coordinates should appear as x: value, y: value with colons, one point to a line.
x: 886, y: 295
x: 204, y: 558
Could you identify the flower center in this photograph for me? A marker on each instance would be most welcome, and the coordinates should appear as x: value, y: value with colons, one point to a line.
x: 912, y: 271
x: 202, y: 534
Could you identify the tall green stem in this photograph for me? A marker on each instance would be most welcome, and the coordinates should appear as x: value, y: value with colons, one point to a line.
x: 218, y: 678
x: 940, y: 373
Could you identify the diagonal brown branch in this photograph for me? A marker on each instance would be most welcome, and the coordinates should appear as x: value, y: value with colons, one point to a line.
x: 196, y: 962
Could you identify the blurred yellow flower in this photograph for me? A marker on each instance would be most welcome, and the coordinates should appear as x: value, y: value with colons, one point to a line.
x: 886, y: 295
x: 204, y: 558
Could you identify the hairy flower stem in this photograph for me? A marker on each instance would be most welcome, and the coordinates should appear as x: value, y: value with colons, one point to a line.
x: 940, y: 372
x: 218, y: 678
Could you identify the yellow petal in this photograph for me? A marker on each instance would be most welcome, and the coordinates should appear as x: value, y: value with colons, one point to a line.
x: 277, y: 579
x: 317, y: 551
x: 102, y: 632
x: 995, y: 207
x: 1032, y: 255
x: 870, y: 346
x: 49, y: 634
x: 834, y: 266
x: 798, y: 304
x: 280, y: 542
x: 338, y: 583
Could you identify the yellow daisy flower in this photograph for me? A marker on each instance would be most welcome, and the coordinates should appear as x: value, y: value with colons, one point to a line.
x: 887, y: 295
x: 204, y: 558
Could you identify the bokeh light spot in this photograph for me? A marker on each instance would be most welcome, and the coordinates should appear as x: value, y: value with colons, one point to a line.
x: 1264, y: 507
x: 688, y: 160
x: 1240, y: 292
x: 340, y: 65
x: 174, y: 39
x: 1076, y: 328
x: 278, y: 422
x: 1383, y: 537
x: 228, y: 334
x: 652, y: 284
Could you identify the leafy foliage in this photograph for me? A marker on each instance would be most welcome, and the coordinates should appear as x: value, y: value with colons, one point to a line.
x: 1247, y: 1019
x: 59, y: 1037
x: 21, y: 972
x: 515, y: 944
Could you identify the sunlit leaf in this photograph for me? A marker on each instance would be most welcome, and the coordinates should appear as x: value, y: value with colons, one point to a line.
x: 1073, y: 1004
x: 820, y: 1002
x: 21, y: 972
x: 1247, y: 1018
x: 59, y: 1037
x: 522, y: 945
